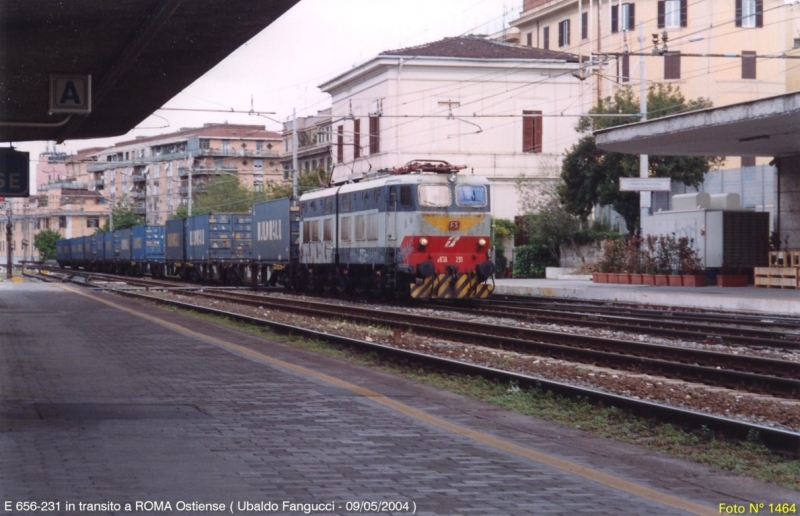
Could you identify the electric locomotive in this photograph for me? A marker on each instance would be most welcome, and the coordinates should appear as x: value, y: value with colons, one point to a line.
x: 422, y: 230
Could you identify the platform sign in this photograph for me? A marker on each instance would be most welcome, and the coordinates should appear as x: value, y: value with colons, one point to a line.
x: 14, y: 175
x: 644, y: 184
x: 70, y: 93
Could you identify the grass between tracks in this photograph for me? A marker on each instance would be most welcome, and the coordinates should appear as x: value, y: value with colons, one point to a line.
x: 749, y: 458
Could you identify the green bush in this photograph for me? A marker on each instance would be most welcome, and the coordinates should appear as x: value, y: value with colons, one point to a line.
x: 532, y: 261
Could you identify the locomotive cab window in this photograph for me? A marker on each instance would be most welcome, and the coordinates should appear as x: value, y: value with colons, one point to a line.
x: 471, y: 195
x: 437, y: 196
x: 406, y: 196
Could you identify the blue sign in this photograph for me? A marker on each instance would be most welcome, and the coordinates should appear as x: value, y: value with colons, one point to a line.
x: 14, y: 175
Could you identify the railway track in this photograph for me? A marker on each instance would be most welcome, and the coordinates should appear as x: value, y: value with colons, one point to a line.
x: 775, y: 438
x: 778, y: 439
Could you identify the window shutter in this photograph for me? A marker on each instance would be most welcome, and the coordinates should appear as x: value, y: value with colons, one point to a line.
x: 661, y: 14
x: 340, y: 144
x: 759, y: 13
x: 529, y: 39
x: 532, y: 131
x: 631, y: 17
x: 584, y: 25
x: 356, y: 138
x: 546, y: 38
x: 672, y: 65
x: 738, y: 13
x: 374, y: 135
x: 614, y: 18
x: 626, y: 68
x: 566, y: 33
x: 684, y: 13
x: 748, y: 64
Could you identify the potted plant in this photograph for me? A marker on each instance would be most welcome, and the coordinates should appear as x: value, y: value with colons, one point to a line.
x: 648, y: 260
x: 691, y: 267
x: 729, y: 276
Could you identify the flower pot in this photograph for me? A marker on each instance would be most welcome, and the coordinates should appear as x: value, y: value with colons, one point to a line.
x: 661, y: 280
x: 694, y: 280
x: 675, y: 280
x: 637, y: 279
x: 731, y: 280
x: 648, y: 279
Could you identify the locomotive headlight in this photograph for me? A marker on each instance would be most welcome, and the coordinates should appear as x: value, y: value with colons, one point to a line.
x: 423, y: 242
x: 481, y: 242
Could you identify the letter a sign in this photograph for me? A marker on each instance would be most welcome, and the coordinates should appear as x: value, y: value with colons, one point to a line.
x: 70, y: 94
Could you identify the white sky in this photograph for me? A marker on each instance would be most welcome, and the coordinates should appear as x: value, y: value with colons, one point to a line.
x: 314, y: 41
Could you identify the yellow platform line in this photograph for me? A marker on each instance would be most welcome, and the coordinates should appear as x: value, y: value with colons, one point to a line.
x: 487, y: 439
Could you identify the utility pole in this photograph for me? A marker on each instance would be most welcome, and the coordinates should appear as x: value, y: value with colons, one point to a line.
x: 190, y: 191
x: 9, y: 243
x: 295, y: 171
x: 645, y: 198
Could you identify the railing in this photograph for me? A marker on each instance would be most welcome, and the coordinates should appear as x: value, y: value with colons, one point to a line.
x: 98, y: 183
x: 183, y: 172
x: 138, y: 178
x: 252, y: 153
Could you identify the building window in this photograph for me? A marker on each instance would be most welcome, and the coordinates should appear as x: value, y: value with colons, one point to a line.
x: 623, y: 17
x: 546, y: 38
x: 672, y: 65
x: 287, y: 172
x: 529, y: 39
x: 340, y: 144
x: 226, y: 145
x: 563, y: 33
x: 532, y: 131
x: 356, y: 139
x: 62, y: 222
x: 750, y: 13
x: 672, y: 14
x: 258, y: 163
x: 374, y: 135
x: 748, y: 64
x: 259, y: 145
x: 585, y: 25
x: 625, y: 68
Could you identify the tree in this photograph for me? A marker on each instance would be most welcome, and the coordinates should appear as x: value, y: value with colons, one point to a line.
x: 45, y: 243
x: 591, y: 176
x: 226, y: 194
x: 308, y: 180
x: 123, y: 216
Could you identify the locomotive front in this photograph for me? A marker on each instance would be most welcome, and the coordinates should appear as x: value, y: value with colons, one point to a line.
x: 444, y: 225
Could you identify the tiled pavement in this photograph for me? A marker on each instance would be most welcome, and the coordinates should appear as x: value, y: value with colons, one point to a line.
x: 98, y: 405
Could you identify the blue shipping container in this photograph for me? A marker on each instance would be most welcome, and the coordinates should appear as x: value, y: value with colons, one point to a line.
x: 62, y: 251
x: 96, y: 243
x: 272, y: 232
x: 147, y: 243
x: 219, y: 237
x: 124, y: 249
x: 174, y: 246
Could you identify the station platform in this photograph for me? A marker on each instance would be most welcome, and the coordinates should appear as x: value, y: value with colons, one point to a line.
x: 107, y: 401
x: 742, y: 299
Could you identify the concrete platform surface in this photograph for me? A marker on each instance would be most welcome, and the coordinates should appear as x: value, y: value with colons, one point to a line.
x: 106, y: 402
x: 741, y: 299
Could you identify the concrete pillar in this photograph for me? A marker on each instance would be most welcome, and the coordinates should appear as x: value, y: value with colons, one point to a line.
x: 788, y: 208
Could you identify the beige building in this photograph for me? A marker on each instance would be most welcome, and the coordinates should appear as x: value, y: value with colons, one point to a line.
x: 313, y: 144
x: 153, y: 174
x: 62, y: 203
x: 728, y: 51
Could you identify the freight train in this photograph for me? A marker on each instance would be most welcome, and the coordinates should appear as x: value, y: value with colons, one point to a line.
x: 420, y: 231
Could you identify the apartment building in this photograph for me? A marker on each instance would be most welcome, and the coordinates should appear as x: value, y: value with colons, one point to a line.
x: 62, y: 202
x: 155, y: 174
x: 728, y: 51
x: 313, y: 144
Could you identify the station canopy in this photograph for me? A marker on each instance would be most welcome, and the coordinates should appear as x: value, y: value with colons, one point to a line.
x: 767, y: 127
x: 139, y: 53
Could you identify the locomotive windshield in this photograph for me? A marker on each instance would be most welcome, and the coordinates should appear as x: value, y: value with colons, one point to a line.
x: 437, y: 196
x: 471, y: 195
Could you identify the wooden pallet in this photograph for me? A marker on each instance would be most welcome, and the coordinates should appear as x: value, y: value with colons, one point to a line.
x: 784, y: 258
x: 776, y: 277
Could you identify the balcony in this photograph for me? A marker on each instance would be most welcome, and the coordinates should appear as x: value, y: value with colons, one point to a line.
x: 99, y: 184
x: 138, y: 178
x: 138, y: 194
x: 140, y: 208
x: 196, y: 172
x: 236, y: 153
x: 184, y: 190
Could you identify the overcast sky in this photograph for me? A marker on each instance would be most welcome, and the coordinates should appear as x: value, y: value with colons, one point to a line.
x: 314, y: 41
